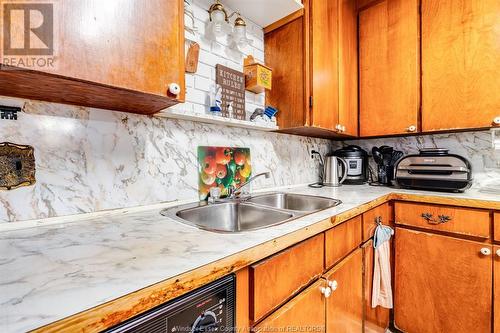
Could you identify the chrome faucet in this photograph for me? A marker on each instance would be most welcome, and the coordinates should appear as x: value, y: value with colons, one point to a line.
x: 234, y: 190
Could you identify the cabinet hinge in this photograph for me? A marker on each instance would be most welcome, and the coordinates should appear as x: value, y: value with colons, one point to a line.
x: 310, y: 101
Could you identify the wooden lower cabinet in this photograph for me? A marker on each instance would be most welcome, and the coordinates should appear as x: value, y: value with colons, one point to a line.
x: 382, y: 213
x: 496, y: 288
x: 376, y: 319
x: 442, y: 284
x: 457, y: 220
x: 276, y: 279
x: 342, y: 240
x: 304, y: 313
x: 496, y: 228
x: 344, y: 308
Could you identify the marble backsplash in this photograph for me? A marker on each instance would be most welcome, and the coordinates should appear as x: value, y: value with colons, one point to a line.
x: 475, y: 146
x: 90, y: 160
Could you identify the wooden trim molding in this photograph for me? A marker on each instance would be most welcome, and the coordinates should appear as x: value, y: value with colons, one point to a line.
x: 287, y: 19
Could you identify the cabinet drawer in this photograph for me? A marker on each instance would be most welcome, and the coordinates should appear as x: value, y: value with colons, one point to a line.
x: 496, y: 229
x: 342, y: 240
x: 370, y: 218
x: 464, y: 221
x: 276, y: 279
x: 304, y: 313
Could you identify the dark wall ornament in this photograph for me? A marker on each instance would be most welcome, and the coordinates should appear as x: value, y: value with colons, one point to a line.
x: 17, y: 166
x: 9, y: 112
x: 233, y: 91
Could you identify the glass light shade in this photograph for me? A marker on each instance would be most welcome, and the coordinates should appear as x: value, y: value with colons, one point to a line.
x: 240, y: 36
x: 218, y: 24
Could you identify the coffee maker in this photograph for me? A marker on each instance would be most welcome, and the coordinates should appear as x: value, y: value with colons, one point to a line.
x: 357, y: 164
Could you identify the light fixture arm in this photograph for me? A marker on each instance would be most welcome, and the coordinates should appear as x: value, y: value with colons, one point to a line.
x: 219, y: 6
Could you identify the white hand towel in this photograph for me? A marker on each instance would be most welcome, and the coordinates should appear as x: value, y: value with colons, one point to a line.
x: 382, y: 290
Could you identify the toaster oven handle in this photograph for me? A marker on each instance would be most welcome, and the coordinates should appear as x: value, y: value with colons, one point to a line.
x: 425, y: 168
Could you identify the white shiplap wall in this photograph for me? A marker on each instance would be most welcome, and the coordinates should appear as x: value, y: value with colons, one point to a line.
x: 200, y: 84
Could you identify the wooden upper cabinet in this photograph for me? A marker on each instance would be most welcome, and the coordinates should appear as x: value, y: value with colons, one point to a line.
x: 314, y: 59
x: 285, y: 53
x: 120, y: 55
x: 389, y: 68
x: 442, y: 284
x: 325, y: 66
x: 344, y: 308
x: 348, y: 67
x: 460, y: 63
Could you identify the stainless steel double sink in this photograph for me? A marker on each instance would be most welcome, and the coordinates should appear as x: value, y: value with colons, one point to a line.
x: 256, y: 212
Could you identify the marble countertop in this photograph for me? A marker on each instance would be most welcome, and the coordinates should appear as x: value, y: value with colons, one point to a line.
x: 51, y: 272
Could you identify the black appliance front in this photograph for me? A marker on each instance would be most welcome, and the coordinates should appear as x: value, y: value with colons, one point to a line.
x: 208, y: 309
x: 357, y: 164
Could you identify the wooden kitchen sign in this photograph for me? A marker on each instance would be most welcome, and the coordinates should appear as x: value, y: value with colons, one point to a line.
x: 233, y: 91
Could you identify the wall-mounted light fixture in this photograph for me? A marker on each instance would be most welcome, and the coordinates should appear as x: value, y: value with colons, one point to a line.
x: 219, y: 25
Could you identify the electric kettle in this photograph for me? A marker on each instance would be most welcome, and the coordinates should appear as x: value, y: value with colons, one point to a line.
x: 332, y: 175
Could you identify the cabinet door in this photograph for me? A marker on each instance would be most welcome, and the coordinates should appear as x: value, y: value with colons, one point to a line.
x: 381, y: 213
x: 442, y: 284
x: 344, y: 308
x: 348, y: 66
x: 285, y: 53
x: 136, y: 45
x: 496, y: 288
x: 496, y: 228
x: 460, y: 63
x: 324, y: 54
x: 342, y: 240
x: 389, y: 68
x: 304, y: 313
x: 300, y: 264
x: 376, y: 319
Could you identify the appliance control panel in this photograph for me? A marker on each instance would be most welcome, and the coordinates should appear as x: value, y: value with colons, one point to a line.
x: 208, y: 309
x: 355, y: 166
x: 204, y: 315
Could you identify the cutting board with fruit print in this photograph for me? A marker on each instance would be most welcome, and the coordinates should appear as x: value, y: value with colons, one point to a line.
x: 222, y: 167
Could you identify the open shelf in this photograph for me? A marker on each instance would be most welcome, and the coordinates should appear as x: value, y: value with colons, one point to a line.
x: 211, y: 119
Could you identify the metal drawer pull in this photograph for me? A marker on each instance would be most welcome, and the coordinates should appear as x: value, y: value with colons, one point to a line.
x: 441, y: 218
x: 444, y: 218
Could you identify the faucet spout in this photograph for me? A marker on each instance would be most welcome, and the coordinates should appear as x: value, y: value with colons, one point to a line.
x: 235, y: 189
